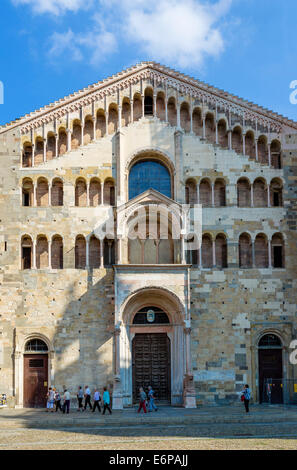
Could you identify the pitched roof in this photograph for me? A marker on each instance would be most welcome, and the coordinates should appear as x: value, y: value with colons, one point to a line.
x: 159, y: 72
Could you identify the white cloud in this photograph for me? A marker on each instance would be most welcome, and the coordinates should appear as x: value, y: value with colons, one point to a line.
x: 56, y: 7
x: 179, y: 33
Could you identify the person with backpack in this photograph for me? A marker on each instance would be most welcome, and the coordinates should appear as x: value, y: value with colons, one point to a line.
x: 142, y: 400
x: 96, y: 399
x: 151, y: 397
x: 246, y: 396
x: 50, y: 400
x: 80, y: 397
x: 106, y: 401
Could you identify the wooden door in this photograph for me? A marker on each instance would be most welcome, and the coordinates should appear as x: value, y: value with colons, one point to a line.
x: 271, y: 367
x: 35, y: 380
x: 151, y: 364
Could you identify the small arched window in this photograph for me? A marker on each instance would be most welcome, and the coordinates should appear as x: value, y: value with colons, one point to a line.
x: 270, y: 341
x: 36, y: 345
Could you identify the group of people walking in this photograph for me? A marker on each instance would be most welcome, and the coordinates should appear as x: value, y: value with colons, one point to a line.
x: 147, y: 400
x: 54, y: 399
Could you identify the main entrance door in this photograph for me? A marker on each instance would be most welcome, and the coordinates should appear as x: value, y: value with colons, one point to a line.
x: 35, y: 380
x: 151, y: 364
x: 270, y: 369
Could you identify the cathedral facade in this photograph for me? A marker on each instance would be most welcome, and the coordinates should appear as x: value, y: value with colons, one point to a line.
x: 89, y: 295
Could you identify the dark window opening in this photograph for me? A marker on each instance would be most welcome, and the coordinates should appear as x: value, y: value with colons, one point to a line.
x: 148, y: 105
x: 148, y: 174
x: 112, y: 196
x: 276, y: 199
x: 26, y: 258
x: 26, y: 198
x: 36, y: 345
x: 150, y: 315
x: 278, y: 256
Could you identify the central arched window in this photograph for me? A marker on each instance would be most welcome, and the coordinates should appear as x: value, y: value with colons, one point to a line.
x: 149, y: 174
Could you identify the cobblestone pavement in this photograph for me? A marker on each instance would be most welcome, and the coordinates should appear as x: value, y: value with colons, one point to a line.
x: 168, y: 429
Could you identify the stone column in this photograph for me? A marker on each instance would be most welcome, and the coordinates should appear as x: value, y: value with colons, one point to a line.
x: 50, y: 254
x: 212, y: 195
x: 198, y: 192
x: 203, y: 127
x: 82, y: 131
x: 256, y: 148
x: 252, y: 195
x: 269, y: 254
x: 87, y: 252
x: 200, y: 257
x: 189, y: 394
x: 102, y: 193
x: 35, y: 194
x: 101, y: 253
x: 33, y: 155
x: 269, y: 155
x: 183, y: 257
x: 56, y: 145
x: 191, y: 116
x: 88, y: 194
x: 131, y: 111
x: 230, y: 139
x: 34, y: 255
x: 68, y: 140
x: 178, y: 113
x: 166, y: 105
x: 217, y: 133
x: 106, y: 122
x: 155, y: 105
x: 117, y: 396
x: 142, y: 103
x: 214, y: 253
x: 243, y: 143
x: 268, y: 196
x: 44, y: 150
x: 253, y: 254
x: 94, y: 127
x: 120, y: 117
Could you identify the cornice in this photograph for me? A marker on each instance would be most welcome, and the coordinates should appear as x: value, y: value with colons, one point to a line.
x: 158, y: 74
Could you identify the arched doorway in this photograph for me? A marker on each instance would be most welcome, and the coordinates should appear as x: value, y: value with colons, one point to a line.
x: 151, y: 361
x: 35, y: 373
x: 270, y: 369
x: 152, y: 346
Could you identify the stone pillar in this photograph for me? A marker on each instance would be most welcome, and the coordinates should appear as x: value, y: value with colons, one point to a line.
x: 56, y: 143
x: 142, y: 103
x: 178, y: 113
x: 178, y: 184
x: 230, y: 139
x: 214, y: 253
x: 87, y: 252
x: 183, y: 257
x: 101, y: 253
x: 50, y: 254
x: 217, y: 133
x: 189, y: 394
x: 131, y: 111
x: 117, y: 396
x: 243, y: 143
x: 106, y: 122
x: 200, y: 256
x: 33, y: 155
x: 198, y: 192
x: 269, y: 155
x: 166, y: 106
x: 94, y: 127
x: 252, y: 195
x: 268, y: 196
x: 44, y: 150
x: 120, y: 117
x: 212, y: 195
x: 256, y: 147
x: 119, y: 246
x: 269, y: 254
x: 253, y: 254
x: 35, y: 194
x: 191, y: 116
x: 82, y: 132
x: 102, y: 193
x: 34, y: 255
x: 88, y: 194
x: 68, y: 140
x: 203, y: 127
x: 155, y: 105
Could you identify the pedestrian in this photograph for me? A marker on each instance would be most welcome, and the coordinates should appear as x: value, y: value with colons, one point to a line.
x: 66, y: 404
x: 80, y: 397
x: 97, y: 400
x: 151, y: 397
x: 142, y: 400
x: 87, y: 397
x: 50, y: 400
x: 57, y: 400
x: 106, y: 401
x: 246, y: 394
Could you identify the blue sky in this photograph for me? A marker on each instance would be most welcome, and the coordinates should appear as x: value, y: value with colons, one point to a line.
x: 50, y: 48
